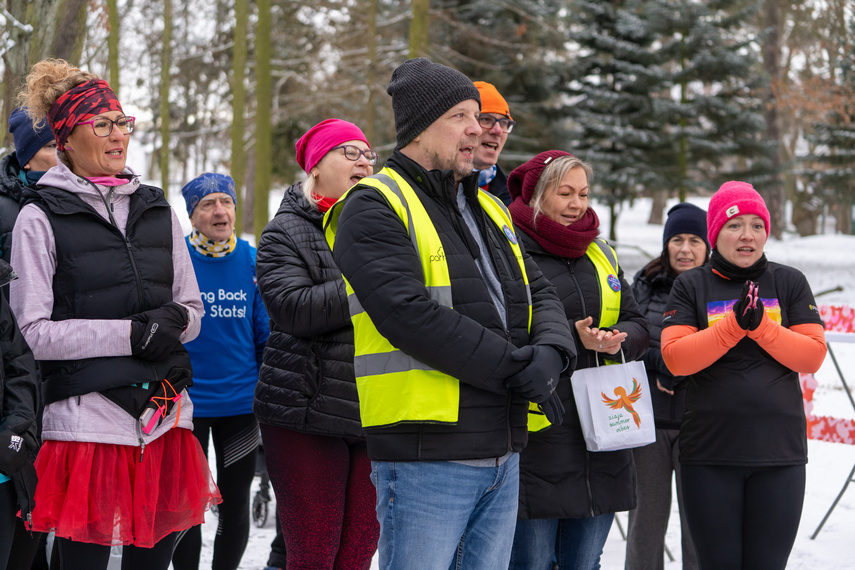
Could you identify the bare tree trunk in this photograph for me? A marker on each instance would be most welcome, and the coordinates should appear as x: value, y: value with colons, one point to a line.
x: 113, y: 44
x: 238, y: 161
x: 419, y: 28
x: 245, y: 218
x: 70, y: 30
x: 34, y: 33
x: 165, y: 62
x: 657, y: 211
x: 771, y: 62
x: 263, y: 128
x: 370, y: 75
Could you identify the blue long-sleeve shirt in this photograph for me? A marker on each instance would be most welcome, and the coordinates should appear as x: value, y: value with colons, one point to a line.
x: 227, y: 353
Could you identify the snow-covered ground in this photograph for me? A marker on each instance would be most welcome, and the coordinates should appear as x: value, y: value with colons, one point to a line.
x: 829, y: 262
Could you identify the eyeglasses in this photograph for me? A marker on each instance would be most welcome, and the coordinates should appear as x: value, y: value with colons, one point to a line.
x: 209, y: 205
x: 487, y: 122
x: 102, y: 126
x: 354, y: 152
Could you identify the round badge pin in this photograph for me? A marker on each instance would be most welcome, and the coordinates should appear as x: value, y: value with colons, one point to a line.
x: 509, y: 233
x: 614, y: 283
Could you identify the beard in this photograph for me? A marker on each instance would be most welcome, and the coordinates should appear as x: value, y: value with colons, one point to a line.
x: 460, y: 166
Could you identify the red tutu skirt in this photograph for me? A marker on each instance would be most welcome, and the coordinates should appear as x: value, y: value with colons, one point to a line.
x: 103, y: 494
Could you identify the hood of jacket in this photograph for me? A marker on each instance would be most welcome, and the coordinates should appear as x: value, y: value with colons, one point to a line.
x: 294, y: 202
x: 10, y: 184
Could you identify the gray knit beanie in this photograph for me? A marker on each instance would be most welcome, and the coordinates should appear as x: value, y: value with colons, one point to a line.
x: 422, y: 91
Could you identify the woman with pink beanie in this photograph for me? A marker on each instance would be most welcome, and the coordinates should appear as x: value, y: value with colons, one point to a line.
x: 305, y: 399
x: 742, y: 328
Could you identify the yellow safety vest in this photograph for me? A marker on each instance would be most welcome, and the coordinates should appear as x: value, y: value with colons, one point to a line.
x: 394, y: 387
x: 605, y: 263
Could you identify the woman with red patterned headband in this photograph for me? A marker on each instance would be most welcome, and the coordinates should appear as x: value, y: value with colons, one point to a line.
x: 106, y: 297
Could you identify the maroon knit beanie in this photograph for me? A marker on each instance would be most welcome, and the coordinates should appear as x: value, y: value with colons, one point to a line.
x: 734, y: 198
x: 524, y: 177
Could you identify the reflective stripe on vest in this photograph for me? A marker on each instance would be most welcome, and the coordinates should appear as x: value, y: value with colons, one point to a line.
x: 605, y: 264
x: 394, y: 387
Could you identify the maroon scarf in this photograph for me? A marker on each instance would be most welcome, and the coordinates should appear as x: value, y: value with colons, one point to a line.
x: 567, y: 241
x: 79, y: 103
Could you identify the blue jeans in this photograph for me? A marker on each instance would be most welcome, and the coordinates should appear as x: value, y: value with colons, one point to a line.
x: 576, y: 544
x: 439, y: 515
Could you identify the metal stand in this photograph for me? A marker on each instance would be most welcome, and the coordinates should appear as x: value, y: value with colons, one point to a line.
x: 851, y: 473
x: 623, y: 535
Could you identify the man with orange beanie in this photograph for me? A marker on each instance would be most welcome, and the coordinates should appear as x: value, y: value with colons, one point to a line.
x: 496, y: 125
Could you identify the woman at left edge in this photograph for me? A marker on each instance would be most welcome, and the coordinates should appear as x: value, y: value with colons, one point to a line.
x: 106, y: 297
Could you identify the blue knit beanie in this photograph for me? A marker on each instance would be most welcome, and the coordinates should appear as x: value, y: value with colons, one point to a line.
x: 685, y: 218
x: 205, y: 184
x: 28, y: 140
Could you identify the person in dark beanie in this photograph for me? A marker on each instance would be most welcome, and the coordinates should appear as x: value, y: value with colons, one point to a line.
x: 35, y: 152
x: 684, y: 246
x: 742, y: 328
x: 455, y: 329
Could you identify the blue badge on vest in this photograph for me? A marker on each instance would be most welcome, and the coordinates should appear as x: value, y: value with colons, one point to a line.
x: 614, y: 283
x: 509, y: 233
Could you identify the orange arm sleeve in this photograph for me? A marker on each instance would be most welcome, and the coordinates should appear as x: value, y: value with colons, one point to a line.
x: 800, y: 348
x: 687, y: 350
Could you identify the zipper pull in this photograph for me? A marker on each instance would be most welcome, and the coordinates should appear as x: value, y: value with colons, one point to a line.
x: 29, y: 524
x: 142, y: 448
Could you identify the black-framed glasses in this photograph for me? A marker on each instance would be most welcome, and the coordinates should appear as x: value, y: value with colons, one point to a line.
x: 102, y: 126
x: 354, y: 152
x: 487, y: 122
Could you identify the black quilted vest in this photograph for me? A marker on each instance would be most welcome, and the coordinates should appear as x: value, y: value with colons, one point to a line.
x: 101, y: 274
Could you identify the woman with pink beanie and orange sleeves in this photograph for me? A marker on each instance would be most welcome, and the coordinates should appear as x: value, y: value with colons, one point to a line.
x: 305, y: 399
x: 742, y: 328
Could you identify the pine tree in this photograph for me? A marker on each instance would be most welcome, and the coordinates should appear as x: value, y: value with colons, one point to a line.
x: 833, y: 163
x: 713, y: 115
x: 616, y: 120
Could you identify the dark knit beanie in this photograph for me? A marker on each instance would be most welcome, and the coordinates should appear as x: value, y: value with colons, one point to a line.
x: 28, y: 139
x: 422, y: 91
x: 685, y: 218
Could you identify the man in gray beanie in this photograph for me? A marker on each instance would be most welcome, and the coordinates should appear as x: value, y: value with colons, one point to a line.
x: 456, y: 331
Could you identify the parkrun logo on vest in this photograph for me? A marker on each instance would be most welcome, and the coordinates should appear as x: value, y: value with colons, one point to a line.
x: 214, y: 309
x: 509, y: 233
x: 440, y: 255
x: 614, y: 283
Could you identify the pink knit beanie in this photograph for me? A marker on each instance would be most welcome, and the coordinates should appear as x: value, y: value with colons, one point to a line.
x: 318, y: 141
x: 733, y: 199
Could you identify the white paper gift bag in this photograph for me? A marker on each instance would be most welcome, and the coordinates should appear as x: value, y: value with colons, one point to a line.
x: 615, y: 406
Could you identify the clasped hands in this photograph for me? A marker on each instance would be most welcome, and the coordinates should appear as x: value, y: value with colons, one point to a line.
x: 538, y: 380
x: 748, y: 309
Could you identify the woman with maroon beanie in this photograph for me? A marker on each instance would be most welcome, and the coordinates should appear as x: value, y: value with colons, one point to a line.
x: 305, y: 400
x: 106, y: 297
x: 568, y: 495
x: 742, y: 328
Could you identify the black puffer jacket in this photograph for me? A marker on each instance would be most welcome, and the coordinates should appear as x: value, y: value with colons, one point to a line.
x: 559, y: 477
x: 469, y: 342
x: 10, y: 197
x: 306, y: 380
x: 652, y: 295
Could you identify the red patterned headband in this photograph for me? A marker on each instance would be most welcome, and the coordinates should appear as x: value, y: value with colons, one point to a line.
x: 80, y: 103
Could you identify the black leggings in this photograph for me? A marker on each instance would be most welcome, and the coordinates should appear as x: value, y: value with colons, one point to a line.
x: 88, y: 556
x: 743, y: 517
x: 236, y: 440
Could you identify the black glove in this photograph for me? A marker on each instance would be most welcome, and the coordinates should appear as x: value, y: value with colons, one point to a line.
x: 553, y: 409
x: 749, y: 308
x: 537, y: 381
x: 25, y: 489
x: 154, y: 334
x: 14, y: 452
